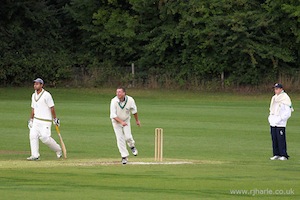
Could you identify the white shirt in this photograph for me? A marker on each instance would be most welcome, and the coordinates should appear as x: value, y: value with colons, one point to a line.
x: 123, y: 109
x: 280, y: 119
x: 42, y: 103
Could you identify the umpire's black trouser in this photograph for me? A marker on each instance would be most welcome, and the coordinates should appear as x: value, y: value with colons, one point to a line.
x: 279, y: 141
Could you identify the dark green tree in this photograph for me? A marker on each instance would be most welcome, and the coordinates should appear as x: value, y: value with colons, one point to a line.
x: 31, y: 43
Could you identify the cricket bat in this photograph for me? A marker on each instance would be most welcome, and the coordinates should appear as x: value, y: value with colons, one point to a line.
x: 63, y: 147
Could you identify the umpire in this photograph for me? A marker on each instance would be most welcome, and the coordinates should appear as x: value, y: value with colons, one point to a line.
x: 280, y: 111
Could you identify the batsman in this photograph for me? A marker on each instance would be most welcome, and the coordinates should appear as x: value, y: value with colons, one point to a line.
x: 121, y: 107
x: 41, y: 118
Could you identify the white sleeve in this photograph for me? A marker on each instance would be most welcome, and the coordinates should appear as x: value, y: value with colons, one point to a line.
x: 285, y: 112
x: 133, y: 107
x: 113, y: 109
x: 32, y: 106
x: 49, y: 100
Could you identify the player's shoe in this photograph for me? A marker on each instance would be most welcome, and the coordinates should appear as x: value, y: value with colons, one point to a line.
x: 134, y: 151
x: 31, y: 158
x: 124, y: 160
x: 275, y: 158
x: 282, y: 158
x: 59, y: 154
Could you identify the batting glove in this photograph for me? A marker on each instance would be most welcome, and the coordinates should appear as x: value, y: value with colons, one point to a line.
x: 56, y: 121
x: 30, y: 122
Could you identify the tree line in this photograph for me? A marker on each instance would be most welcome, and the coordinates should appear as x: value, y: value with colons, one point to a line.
x: 172, y: 43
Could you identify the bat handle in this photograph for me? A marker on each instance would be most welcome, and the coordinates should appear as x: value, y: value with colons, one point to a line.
x: 57, y: 129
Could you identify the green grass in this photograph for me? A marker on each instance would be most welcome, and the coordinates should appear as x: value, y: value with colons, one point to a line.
x: 225, y: 135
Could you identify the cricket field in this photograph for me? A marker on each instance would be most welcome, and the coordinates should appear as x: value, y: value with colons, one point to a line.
x: 216, y: 146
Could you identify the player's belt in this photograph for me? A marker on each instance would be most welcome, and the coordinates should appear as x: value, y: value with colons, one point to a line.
x: 45, y: 120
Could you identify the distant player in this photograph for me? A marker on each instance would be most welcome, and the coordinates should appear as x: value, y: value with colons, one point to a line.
x: 280, y: 111
x: 121, y: 108
x: 42, y: 115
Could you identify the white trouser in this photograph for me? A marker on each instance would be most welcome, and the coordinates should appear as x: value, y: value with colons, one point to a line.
x: 123, y: 136
x: 41, y: 130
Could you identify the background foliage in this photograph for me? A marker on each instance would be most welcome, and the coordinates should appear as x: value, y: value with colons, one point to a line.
x: 173, y: 44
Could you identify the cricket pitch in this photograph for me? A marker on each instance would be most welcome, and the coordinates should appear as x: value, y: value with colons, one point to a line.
x: 19, y: 164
